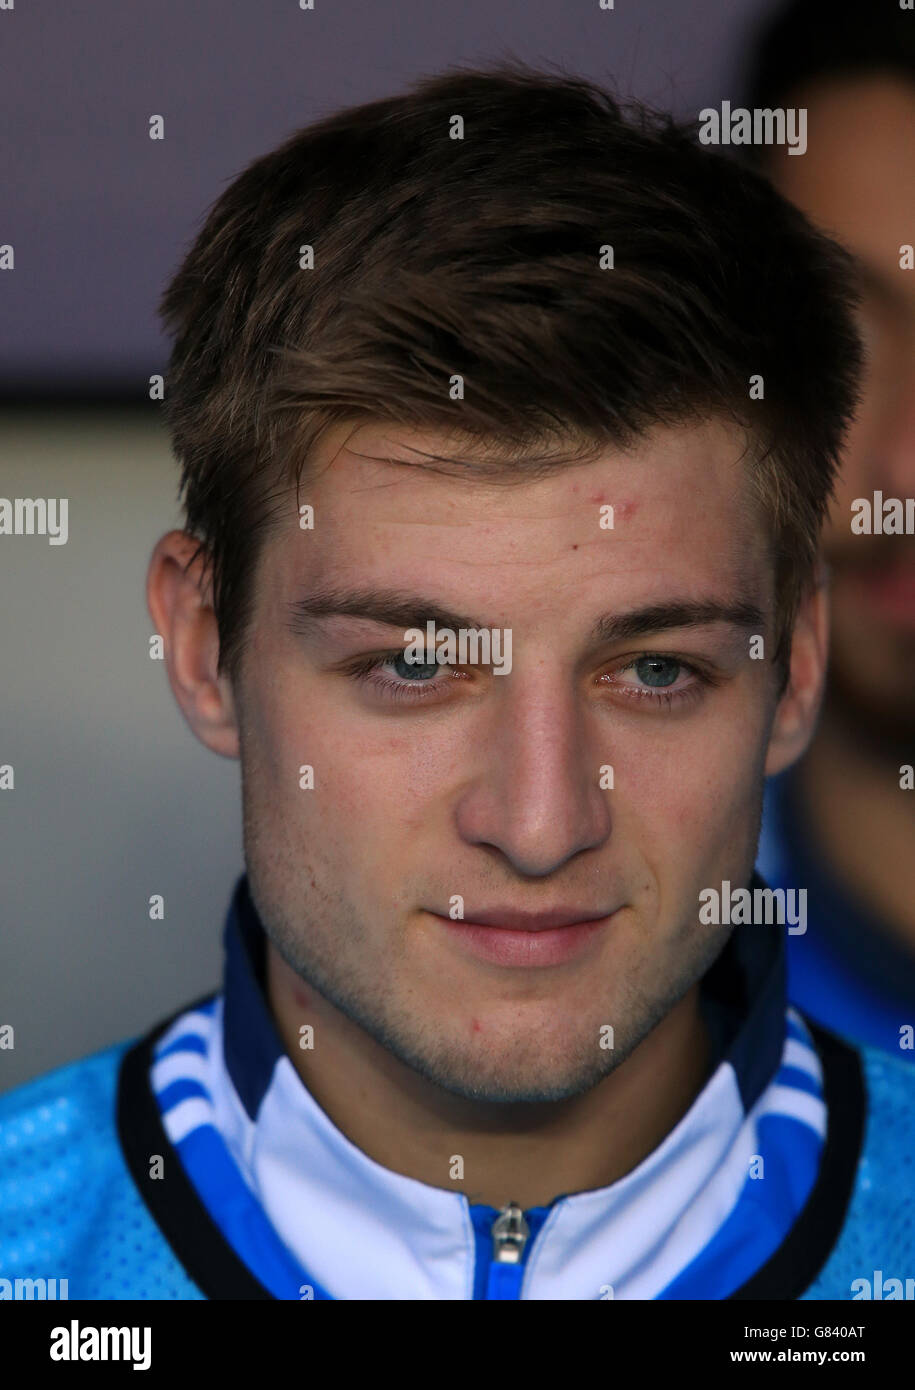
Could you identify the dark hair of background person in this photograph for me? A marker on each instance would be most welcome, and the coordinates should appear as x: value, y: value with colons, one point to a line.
x: 807, y: 40
x: 480, y: 257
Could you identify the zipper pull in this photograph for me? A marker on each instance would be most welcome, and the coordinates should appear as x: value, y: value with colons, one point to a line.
x: 510, y: 1234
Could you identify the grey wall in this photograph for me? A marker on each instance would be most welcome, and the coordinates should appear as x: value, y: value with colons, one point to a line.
x: 114, y: 800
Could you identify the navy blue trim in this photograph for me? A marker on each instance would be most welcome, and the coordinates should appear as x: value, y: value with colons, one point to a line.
x: 744, y: 996
x: 251, y: 1043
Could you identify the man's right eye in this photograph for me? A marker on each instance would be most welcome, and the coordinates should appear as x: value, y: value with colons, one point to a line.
x: 411, y: 670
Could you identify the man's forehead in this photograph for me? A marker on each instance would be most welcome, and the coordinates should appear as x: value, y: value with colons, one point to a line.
x: 671, y: 516
x: 396, y: 471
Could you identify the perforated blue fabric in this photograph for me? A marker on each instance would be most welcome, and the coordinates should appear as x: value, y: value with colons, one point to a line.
x: 879, y: 1232
x: 69, y: 1209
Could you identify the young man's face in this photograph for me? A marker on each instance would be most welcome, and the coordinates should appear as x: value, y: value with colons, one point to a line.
x: 488, y: 786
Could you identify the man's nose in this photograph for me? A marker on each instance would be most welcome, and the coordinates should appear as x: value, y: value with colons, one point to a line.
x: 538, y: 798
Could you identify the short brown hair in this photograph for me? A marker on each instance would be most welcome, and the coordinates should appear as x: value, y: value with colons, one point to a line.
x: 480, y: 256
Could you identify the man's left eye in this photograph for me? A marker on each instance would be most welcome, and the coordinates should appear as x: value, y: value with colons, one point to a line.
x: 655, y: 678
x: 657, y: 671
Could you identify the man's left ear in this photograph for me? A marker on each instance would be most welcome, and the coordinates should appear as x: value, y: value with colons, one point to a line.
x: 799, y: 705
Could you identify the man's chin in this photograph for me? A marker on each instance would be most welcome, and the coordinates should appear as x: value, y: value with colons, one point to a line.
x: 495, y: 1086
x: 509, y: 1070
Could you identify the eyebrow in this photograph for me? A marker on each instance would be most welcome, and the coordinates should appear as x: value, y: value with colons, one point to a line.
x: 395, y: 608
x: 392, y: 607
x: 658, y: 617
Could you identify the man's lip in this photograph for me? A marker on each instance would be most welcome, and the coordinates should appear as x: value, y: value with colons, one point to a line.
x: 511, y: 920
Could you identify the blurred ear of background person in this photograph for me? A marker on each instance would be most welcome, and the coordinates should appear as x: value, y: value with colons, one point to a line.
x: 842, y: 822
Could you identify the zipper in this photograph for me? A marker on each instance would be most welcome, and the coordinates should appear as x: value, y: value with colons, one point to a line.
x: 510, y: 1234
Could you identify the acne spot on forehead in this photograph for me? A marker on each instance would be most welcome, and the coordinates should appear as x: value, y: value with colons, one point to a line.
x: 623, y: 507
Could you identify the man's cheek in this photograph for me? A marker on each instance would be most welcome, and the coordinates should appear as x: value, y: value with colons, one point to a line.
x: 705, y: 816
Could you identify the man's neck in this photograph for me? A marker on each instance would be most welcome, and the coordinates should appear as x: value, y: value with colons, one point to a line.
x: 862, y: 823
x: 524, y: 1153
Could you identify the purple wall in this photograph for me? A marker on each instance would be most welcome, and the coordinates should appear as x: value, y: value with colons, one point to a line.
x: 99, y: 214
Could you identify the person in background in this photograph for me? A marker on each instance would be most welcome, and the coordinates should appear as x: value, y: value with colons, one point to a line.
x: 841, y: 822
